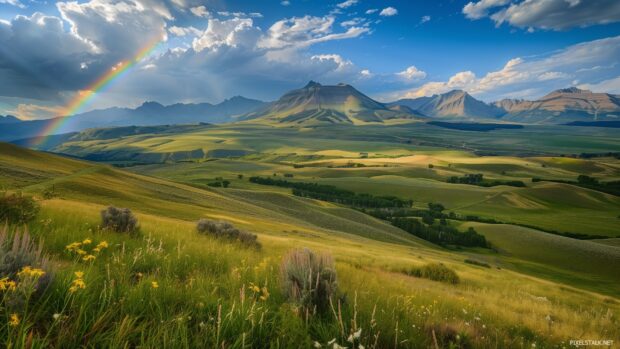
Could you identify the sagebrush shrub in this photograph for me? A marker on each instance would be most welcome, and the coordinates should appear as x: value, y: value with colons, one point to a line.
x: 20, y: 258
x: 17, y: 208
x: 225, y: 230
x: 435, y: 272
x: 309, y: 278
x: 119, y: 220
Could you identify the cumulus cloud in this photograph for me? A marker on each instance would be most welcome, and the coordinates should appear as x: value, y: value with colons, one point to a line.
x: 412, y: 73
x: 233, y: 32
x: 546, y: 14
x: 38, y: 57
x: 305, y: 31
x: 371, y: 11
x: 347, y: 3
x: 339, y: 62
x: 480, y: 9
x: 388, y: 12
x: 549, y: 72
x: 200, y: 11
x: 115, y: 28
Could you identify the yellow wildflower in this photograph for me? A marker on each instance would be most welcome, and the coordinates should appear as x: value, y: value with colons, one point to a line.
x: 73, y: 246
x: 28, y: 271
x: 79, y: 274
x: 254, y: 288
x: 102, y: 245
x: 6, y: 284
x: 154, y: 284
x: 76, y: 285
x: 87, y: 241
x: 14, y: 320
x: 88, y: 258
x: 80, y: 251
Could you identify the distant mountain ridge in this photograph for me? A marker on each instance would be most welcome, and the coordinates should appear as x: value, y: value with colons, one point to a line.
x: 456, y: 103
x: 148, y: 114
x: 565, y: 105
x: 558, y: 107
x: 316, y: 104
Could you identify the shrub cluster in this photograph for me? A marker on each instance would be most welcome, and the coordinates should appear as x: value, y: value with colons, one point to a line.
x: 120, y: 220
x: 309, y: 279
x: 478, y: 263
x: 17, y: 209
x: 225, y: 230
x: 435, y: 272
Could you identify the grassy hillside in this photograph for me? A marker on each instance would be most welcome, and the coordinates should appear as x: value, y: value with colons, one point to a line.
x: 203, y: 296
x: 559, y: 258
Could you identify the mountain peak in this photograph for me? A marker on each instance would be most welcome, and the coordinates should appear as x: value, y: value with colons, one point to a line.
x: 571, y: 90
x: 151, y: 104
x: 312, y: 84
x: 327, y: 104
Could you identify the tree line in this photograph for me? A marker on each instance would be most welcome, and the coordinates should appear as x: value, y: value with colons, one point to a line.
x: 333, y: 194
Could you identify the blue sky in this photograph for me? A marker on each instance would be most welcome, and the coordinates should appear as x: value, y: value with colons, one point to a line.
x: 212, y: 50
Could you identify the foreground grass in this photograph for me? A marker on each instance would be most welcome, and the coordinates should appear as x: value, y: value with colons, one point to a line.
x: 203, y: 296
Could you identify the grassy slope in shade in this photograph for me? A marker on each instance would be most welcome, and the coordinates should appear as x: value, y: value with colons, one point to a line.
x: 199, y: 277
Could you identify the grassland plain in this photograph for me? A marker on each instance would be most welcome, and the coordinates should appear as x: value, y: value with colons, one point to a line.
x: 413, y: 161
x: 202, y: 296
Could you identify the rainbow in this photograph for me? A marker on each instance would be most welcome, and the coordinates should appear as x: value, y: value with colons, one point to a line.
x: 86, y: 95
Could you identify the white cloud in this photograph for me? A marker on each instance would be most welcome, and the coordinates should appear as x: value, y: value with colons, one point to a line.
x: 285, y: 3
x: 183, y: 31
x: 354, y: 22
x: 607, y: 86
x: 116, y: 29
x: 552, y: 75
x: 340, y: 62
x: 13, y: 2
x: 305, y: 31
x: 365, y: 73
x: 549, y: 72
x: 371, y: 11
x: 480, y: 9
x: 233, y: 32
x: 412, y: 73
x: 240, y: 14
x: 347, y: 3
x: 425, y: 19
x: 200, y: 11
x: 546, y: 14
x: 388, y: 11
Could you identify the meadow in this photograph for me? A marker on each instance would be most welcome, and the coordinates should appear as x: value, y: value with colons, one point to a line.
x: 172, y: 287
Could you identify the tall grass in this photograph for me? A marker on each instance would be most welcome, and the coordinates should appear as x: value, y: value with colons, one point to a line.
x: 174, y: 288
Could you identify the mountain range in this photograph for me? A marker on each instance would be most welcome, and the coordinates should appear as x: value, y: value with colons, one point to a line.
x: 558, y: 107
x: 148, y: 114
x: 316, y: 104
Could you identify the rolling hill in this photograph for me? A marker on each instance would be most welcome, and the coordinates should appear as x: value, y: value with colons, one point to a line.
x: 148, y: 114
x: 317, y: 104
